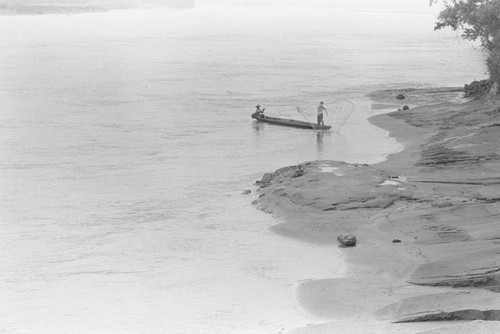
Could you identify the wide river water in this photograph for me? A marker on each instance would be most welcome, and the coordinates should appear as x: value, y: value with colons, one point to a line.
x: 126, y: 143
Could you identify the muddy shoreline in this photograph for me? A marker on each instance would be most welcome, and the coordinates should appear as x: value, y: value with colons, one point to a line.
x: 426, y: 221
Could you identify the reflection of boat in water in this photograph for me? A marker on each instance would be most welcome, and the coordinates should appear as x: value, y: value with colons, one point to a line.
x: 259, y: 117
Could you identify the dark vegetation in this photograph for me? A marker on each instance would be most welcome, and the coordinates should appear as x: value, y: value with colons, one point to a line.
x: 478, y: 20
x: 477, y: 88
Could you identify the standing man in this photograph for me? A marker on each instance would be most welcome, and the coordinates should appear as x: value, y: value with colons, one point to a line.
x: 321, y: 108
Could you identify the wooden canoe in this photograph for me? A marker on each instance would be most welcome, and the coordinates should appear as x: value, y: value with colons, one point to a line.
x: 289, y: 122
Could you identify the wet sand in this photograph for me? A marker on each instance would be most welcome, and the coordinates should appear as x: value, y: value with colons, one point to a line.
x: 427, y: 258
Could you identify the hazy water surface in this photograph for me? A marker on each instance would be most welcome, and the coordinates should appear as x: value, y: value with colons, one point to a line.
x: 126, y: 142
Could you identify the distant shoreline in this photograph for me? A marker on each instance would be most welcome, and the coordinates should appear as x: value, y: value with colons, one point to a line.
x: 7, y: 10
x: 42, y: 9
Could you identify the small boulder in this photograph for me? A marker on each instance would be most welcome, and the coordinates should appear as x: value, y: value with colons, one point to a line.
x: 247, y: 192
x: 298, y: 172
x: 396, y: 240
x: 406, y: 108
x: 347, y: 240
x: 400, y: 97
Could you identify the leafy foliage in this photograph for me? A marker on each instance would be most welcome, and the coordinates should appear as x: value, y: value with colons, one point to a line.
x: 478, y: 20
x: 493, y: 64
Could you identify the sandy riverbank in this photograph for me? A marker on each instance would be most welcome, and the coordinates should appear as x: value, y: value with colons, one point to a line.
x: 426, y: 220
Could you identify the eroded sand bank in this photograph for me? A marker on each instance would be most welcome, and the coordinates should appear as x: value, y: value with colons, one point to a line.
x: 427, y: 222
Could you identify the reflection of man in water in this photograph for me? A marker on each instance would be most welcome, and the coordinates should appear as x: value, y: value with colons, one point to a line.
x: 319, y: 140
x: 321, y: 108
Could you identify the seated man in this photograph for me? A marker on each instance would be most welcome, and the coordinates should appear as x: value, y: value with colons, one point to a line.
x: 258, y: 112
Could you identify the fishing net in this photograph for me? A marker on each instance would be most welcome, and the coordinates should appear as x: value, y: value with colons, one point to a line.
x: 341, y: 111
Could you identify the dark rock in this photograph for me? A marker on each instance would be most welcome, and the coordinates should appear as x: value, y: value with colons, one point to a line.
x: 400, y: 97
x: 347, y: 240
x: 406, y: 108
x: 396, y: 240
x: 247, y: 192
x: 266, y: 180
x: 299, y: 172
